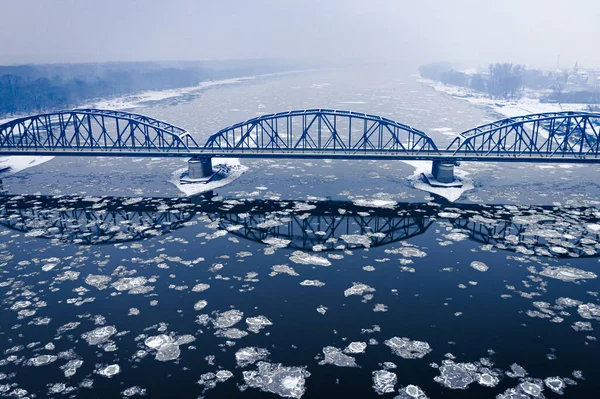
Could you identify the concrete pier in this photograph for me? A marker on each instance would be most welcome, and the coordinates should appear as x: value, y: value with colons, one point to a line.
x: 199, y: 167
x: 443, y: 171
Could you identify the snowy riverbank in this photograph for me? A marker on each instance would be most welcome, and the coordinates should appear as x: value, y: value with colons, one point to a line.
x: 529, y: 104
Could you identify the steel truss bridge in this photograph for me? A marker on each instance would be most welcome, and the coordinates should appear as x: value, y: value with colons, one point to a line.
x: 313, y: 133
x: 108, y: 220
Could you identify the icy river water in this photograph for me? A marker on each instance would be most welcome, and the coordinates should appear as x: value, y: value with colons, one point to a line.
x: 312, y: 279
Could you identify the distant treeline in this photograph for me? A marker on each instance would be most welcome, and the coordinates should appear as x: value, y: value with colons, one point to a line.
x: 36, y: 88
x: 501, y: 81
x: 506, y: 80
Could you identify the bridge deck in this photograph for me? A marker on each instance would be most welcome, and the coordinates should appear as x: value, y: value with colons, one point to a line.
x: 439, y: 155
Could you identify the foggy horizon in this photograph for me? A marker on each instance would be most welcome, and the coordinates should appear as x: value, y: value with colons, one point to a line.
x: 467, y: 32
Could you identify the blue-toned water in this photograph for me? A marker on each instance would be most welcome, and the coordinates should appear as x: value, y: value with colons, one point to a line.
x: 294, y: 280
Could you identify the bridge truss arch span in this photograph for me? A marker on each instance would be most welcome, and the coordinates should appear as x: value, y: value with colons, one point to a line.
x: 569, y: 134
x: 321, y: 131
x: 93, y: 130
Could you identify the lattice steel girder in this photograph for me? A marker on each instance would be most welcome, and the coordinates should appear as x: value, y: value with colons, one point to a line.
x: 92, y: 130
x: 321, y: 130
x: 550, y: 134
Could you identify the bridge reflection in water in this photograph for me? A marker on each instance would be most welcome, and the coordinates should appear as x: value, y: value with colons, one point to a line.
x: 306, y: 226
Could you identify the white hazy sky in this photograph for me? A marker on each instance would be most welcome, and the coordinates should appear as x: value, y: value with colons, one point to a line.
x: 474, y: 32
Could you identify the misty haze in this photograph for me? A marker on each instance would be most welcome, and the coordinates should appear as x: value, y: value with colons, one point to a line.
x: 299, y: 199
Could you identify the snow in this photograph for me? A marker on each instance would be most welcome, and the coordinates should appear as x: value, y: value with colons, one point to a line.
x: 235, y: 171
x: 18, y: 163
x: 450, y: 193
x: 509, y: 108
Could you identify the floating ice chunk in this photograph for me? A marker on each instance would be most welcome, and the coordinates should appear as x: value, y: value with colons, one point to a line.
x: 168, y: 351
x: 185, y: 339
x: 556, y: 384
x: 41, y: 360
x: 411, y: 392
x: 358, y: 289
x: 134, y: 390
x: 250, y: 355
x: 277, y: 242
x: 322, y: 309
x: 200, y: 305
x: 593, y: 227
x: 109, y: 371
x: 228, y: 319
x: 282, y: 269
x: 99, y: 335
x: 449, y: 215
x: 532, y: 219
x: 255, y: 324
x: 223, y: 375
x: 287, y: 382
x: 67, y: 327
x: 578, y: 374
x: 380, y: 307
x: 516, y: 371
x: 408, y: 349
x: 375, y: 203
x: 589, y: 311
x: 70, y: 368
x: 566, y: 273
x: 582, y: 326
x: 356, y: 347
x: 128, y: 283
x: 532, y: 388
x: 157, y: 341
x: 98, y: 281
x: 312, y: 283
x: 231, y: 333
x: 479, y: 266
x: 456, y: 375
x: 487, y: 379
x: 384, y: 381
x: 456, y: 236
x: 200, y: 287
x: 307, y: 259
x: 303, y: 206
x: 337, y: 358
x: 49, y: 266
x: 357, y: 239
x: 409, y: 252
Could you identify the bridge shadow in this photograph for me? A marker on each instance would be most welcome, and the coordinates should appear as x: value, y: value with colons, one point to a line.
x: 306, y: 226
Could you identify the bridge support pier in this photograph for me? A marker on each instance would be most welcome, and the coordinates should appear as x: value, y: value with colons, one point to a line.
x: 443, y: 171
x: 199, y: 167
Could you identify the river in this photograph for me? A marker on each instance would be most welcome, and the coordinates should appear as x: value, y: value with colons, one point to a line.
x: 311, y: 278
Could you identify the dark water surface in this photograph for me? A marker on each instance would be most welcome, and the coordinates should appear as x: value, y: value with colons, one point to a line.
x: 145, y: 291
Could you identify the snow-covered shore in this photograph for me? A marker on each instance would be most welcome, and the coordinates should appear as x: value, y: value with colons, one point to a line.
x: 528, y: 104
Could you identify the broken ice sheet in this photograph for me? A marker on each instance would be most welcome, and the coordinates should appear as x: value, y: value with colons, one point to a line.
x: 307, y: 259
x: 407, y: 348
x: 565, y: 273
x: 250, y: 355
x: 255, y: 324
x: 384, y: 381
x: 336, y: 357
x: 358, y: 289
x: 285, y: 381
